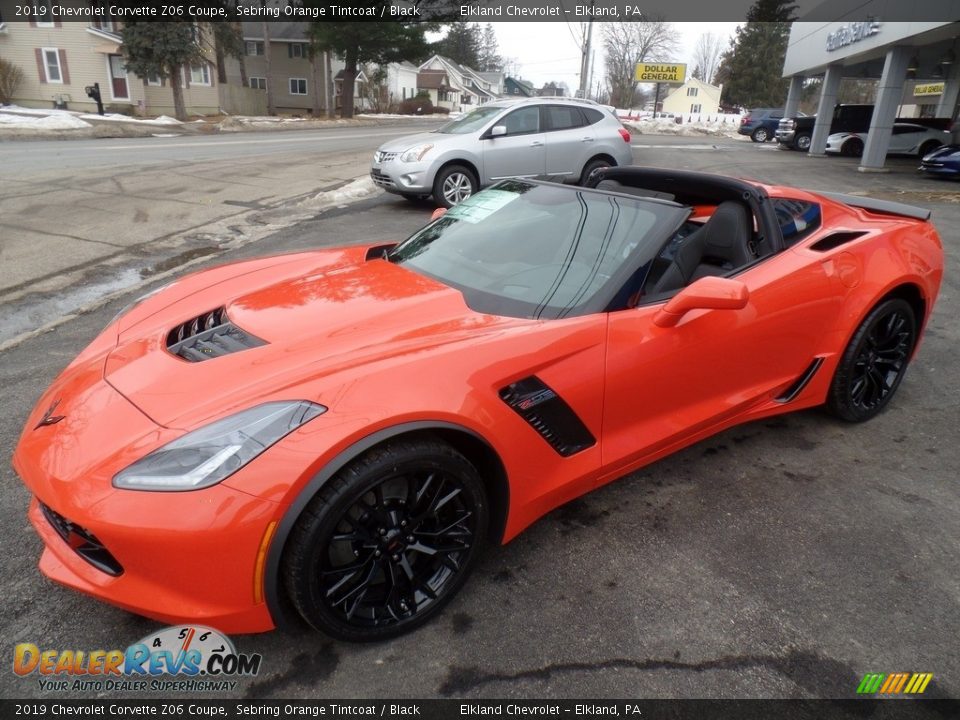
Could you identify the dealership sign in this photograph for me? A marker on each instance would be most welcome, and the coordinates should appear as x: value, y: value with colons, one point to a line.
x: 851, y: 33
x: 928, y: 89
x: 661, y: 72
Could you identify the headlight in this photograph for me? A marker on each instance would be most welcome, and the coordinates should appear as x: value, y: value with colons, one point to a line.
x: 211, y: 454
x: 416, y: 154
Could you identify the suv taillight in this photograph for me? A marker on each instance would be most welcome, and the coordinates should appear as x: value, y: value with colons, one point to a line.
x: 625, y: 134
x: 745, y: 119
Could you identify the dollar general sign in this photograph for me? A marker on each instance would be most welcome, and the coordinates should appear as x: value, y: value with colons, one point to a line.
x: 661, y: 72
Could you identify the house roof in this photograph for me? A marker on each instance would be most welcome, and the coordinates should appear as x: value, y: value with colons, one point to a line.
x: 359, y: 76
x: 523, y: 85
x: 432, y: 80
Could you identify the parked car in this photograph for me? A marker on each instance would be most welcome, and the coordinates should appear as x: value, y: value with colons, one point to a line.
x: 559, y: 137
x: 905, y: 139
x: 794, y: 133
x: 760, y: 123
x: 944, y: 161
x: 333, y: 436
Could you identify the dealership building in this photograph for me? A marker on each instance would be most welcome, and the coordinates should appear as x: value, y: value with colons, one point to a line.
x: 915, y: 61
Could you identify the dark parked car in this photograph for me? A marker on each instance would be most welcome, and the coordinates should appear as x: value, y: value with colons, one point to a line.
x: 794, y: 133
x: 760, y: 123
x: 944, y: 161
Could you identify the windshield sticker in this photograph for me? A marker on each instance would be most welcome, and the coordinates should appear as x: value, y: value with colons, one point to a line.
x: 481, y: 206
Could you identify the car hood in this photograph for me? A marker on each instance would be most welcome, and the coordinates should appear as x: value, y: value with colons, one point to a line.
x: 411, y: 141
x: 313, y: 325
x: 945, y: 152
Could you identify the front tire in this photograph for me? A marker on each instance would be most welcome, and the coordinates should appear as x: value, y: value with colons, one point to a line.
x: 874, y: 362
x: 852, y: 148
x: 454, y: 184
x: 760, y: 135
x: 387, y: 542
x: 802, y: 143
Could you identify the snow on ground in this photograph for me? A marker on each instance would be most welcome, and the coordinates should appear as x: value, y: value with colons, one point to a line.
x: 357, y: 190
x: 690, y: 126
x: 438, y: 117
x: 63, y: 121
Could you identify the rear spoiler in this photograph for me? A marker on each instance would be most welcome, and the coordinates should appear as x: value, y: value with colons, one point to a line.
x: 886, y: 207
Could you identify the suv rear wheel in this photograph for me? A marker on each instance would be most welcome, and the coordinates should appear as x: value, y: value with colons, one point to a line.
x: 760, y: 135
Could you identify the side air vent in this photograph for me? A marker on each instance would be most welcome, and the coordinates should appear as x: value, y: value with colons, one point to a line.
x: 379, y: 251
x: 208, y: 336
x: 797, y: 386
x: 835, y: 240
x: 548, y: 414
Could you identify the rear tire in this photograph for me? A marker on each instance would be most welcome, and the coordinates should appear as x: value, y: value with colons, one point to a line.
x: 928, y: 147
x: 590, y: 167
x: 760, y: 135
x: 874, y: 362
x: 387, y: 542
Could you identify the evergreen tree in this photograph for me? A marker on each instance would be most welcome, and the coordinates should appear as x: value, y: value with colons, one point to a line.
x: 490, y: 60
x: 162, y: 49
x: 751, y: 68
x: 462, y: 44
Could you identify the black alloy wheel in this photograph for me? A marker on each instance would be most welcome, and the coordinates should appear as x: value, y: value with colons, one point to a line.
x: 387, y: 542
x: 852, y: 147
x: 874, y: 362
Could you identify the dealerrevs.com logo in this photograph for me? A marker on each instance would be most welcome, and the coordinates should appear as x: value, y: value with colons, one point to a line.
x: 205, y: 656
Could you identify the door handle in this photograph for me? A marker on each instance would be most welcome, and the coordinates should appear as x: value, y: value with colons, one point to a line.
x: 587, y: 139
x: 536, y: 143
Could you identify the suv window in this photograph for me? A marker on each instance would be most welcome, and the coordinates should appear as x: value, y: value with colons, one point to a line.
x: 559, y: 117
x: 523, y: 121
x: 592, y: 116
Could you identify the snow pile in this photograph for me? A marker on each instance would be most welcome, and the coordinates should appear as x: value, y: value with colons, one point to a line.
x: 720, y: 126
x: 61, y: 121
x: 439, y: 117
x: 357, y: 190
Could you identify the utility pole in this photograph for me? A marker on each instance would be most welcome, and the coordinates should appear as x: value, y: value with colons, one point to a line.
x: 593, y: 59
x: 585, y: 59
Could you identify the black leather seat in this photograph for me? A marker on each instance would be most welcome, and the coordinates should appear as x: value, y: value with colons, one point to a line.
x: 723, y: 243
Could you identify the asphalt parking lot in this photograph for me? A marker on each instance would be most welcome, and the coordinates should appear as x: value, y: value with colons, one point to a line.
x: 785, y: 558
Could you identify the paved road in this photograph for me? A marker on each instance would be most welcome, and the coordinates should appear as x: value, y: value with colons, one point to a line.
x: 785, y: 558
x: 80, y: 219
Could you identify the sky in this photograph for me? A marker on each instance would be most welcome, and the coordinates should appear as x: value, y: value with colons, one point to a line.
x: 547, y: 51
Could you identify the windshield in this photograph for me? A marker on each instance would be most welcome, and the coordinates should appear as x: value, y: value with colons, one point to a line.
x: 526, y: 249
x: 470, y: 122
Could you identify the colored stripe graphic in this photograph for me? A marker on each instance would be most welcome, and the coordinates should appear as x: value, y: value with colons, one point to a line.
x: 870, y: 683
x: 894, y: 683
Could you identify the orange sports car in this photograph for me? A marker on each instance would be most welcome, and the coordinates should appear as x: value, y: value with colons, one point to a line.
x: 333, y: 436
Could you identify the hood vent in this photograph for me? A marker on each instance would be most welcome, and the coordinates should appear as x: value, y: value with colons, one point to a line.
x: 379, y: 251
x: 548, y: 414
x: 209, y: 336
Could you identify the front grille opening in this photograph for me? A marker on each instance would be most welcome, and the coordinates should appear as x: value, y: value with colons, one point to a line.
x: 83, y: 542
x: 208, y: 336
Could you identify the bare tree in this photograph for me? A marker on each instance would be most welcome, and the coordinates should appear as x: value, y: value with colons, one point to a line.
x: 271, y: 108
x: 706, y: 56
x: 629, y: 43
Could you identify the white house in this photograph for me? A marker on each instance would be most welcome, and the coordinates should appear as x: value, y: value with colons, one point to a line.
x: 401, y: 81
x: 693, y: 97
x: 472, y: 89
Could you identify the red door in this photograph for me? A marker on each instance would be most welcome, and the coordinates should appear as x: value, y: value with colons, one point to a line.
x: 118, y: 78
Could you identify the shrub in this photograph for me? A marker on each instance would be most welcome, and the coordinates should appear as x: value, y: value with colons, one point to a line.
x: 416, y: 106
x: 441, y: 110
x: 10, y: 78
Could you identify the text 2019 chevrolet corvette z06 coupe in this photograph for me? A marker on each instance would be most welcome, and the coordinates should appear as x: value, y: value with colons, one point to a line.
x: 333, y: 436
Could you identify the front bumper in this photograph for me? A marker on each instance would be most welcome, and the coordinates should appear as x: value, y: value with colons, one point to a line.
x: 398, y: 177
x: 940, y: 169
x: 172, y: 556
x: 785, y: 137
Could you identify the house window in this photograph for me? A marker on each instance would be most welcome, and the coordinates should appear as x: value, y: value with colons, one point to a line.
x: 258, y: 82
x: 298, y: 86
x: 254, y: 47
x: 692, y: 91
x: 51, y: 65
x: 695, y: 108
x: 154, y: 81
x: 296, y: 50
x: 200, y: 74
x: 43, y: 12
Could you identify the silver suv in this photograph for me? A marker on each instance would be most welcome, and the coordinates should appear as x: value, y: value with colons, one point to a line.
x: 559, y: 137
